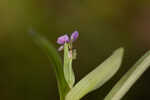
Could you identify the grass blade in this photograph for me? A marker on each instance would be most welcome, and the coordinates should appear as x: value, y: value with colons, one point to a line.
x: 53, y: 55
x: 97, y: 77
x: 68, y: 71
x: 127, y: 81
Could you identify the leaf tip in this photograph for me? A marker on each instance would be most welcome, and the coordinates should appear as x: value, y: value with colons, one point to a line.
x: 119, y: 51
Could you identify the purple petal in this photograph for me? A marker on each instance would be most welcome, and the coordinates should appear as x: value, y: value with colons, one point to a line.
x: 74, y: 36
x: 63, y: 39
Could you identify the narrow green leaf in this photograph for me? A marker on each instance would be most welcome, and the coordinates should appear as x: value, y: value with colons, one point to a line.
x: 97, y: 77
x: 68, y: 71
x: 54, y: 57
x: 128, y: 80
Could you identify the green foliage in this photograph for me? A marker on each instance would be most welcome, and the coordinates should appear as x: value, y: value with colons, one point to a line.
x: 54, y: 57
x: 68, y: 71
x: 97, y: 77
x: 125, y: 83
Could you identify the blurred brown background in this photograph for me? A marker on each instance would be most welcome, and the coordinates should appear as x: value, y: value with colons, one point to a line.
x: 104, y: 25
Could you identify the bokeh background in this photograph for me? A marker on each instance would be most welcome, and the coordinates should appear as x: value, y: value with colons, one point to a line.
x: 104, y: 25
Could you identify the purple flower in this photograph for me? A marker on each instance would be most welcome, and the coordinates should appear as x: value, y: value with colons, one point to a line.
x: 65, y: 39
x: 74, y: 36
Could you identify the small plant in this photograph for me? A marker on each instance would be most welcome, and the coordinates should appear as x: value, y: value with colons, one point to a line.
x: 69, y: 90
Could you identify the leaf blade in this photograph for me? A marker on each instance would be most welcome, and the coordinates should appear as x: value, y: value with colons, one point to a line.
x: 127, y: 81
x: 54, y: 57
x: 97, y: 77
x: 68, y: 71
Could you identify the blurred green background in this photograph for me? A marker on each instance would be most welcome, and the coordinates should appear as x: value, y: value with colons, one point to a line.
x: 104, y: 25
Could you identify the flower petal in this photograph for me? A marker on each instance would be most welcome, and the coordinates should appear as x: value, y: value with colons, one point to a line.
x: 61, y: 48
x: 63, y: 39
x: 74, y: 36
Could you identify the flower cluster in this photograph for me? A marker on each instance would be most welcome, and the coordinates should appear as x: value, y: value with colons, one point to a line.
x: 66, y: 39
